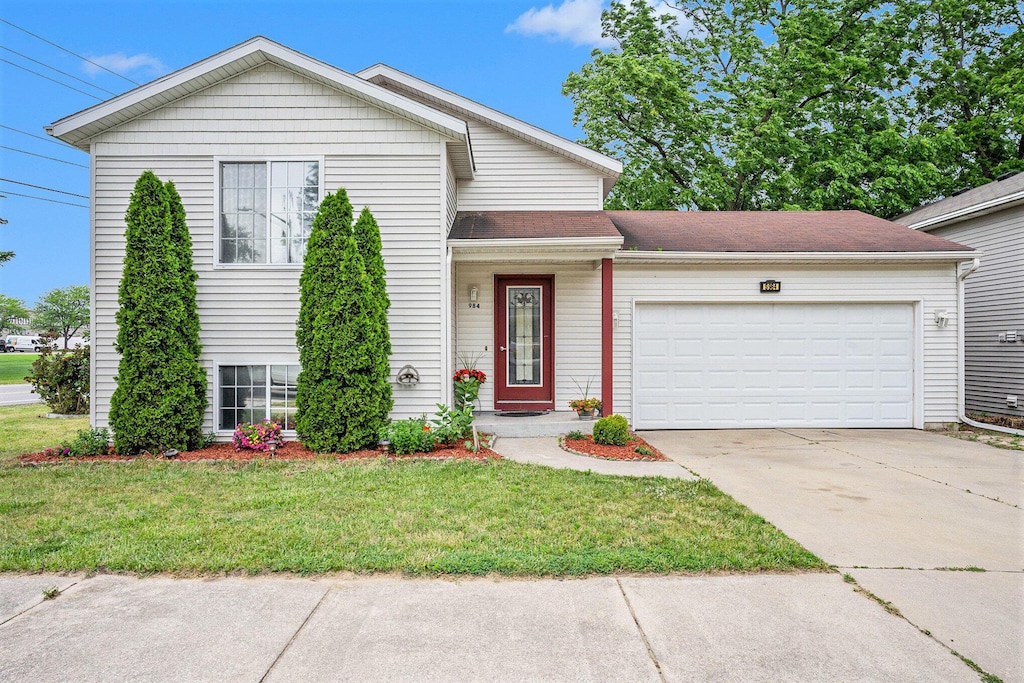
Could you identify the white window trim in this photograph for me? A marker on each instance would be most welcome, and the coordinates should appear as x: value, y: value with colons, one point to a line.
x: 290, y: 433
x: 217, y: 162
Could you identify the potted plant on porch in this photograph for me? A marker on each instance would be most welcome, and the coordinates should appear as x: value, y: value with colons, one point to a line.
x: 586, y: 407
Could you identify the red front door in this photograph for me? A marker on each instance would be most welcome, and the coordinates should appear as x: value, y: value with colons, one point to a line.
x: 524, y: 342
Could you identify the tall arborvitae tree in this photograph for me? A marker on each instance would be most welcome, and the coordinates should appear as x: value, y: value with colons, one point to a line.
x: 191, y: 417
x: 343, y: 394
x: 147, y: 406
x: 367, y: 234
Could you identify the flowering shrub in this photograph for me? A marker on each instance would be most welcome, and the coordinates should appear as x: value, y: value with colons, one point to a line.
x: 410, y: 436
x: 257, y: 436
x: 453, y: 424
x: 86, y: 442
x: 585, y: 404
x: 467, y: 383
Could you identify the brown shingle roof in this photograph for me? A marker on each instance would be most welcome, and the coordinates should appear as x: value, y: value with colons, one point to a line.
x: 708, y: 231
x: 482, y: 225
x: 770, y: 231
x: 990, y: 192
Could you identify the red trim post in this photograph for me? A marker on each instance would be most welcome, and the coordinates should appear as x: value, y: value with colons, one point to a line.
x: 607, y: 330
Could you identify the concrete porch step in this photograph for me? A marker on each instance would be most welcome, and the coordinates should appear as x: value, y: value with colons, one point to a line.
x: 554, y: 423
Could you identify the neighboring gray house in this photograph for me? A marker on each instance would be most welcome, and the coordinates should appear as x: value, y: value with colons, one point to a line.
x: 990, y: 219
x: 496, y: 246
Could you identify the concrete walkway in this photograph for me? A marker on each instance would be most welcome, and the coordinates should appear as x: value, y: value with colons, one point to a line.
x: 906, y: 513
x: 807, y: 627
x: 546, y: 451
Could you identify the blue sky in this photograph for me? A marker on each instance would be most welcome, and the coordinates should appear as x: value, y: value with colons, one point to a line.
x: 508, y: 54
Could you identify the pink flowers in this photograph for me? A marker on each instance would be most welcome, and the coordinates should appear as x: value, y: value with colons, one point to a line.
x: 257, y: 436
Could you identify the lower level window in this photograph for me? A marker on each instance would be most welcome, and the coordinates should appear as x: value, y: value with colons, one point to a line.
x: 253, y: 393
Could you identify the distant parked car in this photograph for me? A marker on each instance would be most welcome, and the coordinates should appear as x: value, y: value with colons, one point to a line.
x: 73, y: 343
x: 17, y: 342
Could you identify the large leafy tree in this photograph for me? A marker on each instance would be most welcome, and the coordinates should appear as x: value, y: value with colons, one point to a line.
x: 11, y: 309
x: 155, y: 405
x: 63, y: 310
x: 764, y: 104
x: 343, y: 395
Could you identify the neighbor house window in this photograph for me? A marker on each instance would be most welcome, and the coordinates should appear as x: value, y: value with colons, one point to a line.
x: 253, y: 393
x: 266, y: 210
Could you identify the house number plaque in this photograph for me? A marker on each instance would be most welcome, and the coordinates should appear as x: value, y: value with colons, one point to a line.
x: 771, y: 286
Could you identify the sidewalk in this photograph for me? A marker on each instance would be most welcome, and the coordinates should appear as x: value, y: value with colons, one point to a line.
x: 803, y: 627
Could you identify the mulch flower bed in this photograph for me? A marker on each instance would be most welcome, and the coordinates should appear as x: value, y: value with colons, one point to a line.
x: 1011, y: 421
x: 293, y: 450
x: 586, y: 446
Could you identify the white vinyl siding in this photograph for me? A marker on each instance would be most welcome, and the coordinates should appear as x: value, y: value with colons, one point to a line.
x: 266, y: 111
x: 248, y: 314
x: 993, y: 304
x: 933, y: 286
x: 577, y: 324
x: 515, y: 175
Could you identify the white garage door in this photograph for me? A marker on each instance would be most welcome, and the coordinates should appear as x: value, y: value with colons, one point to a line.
x: 714, y: 366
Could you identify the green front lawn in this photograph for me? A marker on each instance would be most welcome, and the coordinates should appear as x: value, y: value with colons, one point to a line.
x: 15, y: 366
x: 26, y: 429
x: 417, y: 517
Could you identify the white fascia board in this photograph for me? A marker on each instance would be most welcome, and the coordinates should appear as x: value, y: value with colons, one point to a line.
x: 810, y: 257
x: 967, y: 212
x: 529, y: 132
x: 358, y: 87
x: 535, y: 249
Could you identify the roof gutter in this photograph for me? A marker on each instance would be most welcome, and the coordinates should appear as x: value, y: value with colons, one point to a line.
x: 966, y: 212
x: 738, y: 257
x: 961, y: 364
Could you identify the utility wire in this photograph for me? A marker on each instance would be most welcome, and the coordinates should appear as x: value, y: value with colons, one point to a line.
x: 42, y: 156
x: 52, y: 141
x: 59, y: 47
x: 45, y: 199
x: 43, y: 187
x: 19, y: 66
x: 51, y: 68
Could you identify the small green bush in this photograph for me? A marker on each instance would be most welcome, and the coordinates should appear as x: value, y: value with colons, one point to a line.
x: 61, y: 378
x: 410, y: 436
x: 87, y: 442
x: 453, y: 424
x: 611, y: 431
x: 644, y: 450
x: 575, y: 435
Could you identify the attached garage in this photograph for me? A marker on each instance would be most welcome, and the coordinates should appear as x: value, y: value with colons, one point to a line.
x: 724, y: 365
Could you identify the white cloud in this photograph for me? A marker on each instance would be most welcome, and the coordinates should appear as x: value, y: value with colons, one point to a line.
x: 579, y: 21
x: 121, y: 63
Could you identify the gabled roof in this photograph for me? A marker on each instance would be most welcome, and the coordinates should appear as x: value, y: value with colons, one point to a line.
x: 711, y: 232
x: 983, y: 199
x: 77, y: 128
x: 400, y: 81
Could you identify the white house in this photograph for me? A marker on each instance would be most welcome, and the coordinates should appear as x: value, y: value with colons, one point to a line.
x: 989, y: 218
x: 496, y: 246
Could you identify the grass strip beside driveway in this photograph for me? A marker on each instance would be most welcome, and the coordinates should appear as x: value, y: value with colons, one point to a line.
x: 421, y: 518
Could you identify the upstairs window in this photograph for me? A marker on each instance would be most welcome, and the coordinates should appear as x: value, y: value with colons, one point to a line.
x: 267, y: 210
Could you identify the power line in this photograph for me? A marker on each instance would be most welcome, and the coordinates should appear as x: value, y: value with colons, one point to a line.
x: 43, y: 187
x: 51, y: 68
x: 42, y: 156
x: 46, y: 199
x: 71, y: 87
x: 52, y: 141
x: 50, y: 42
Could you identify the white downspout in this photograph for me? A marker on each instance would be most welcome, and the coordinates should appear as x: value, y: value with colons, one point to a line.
x: 446, y: 365
x: 961, y: 363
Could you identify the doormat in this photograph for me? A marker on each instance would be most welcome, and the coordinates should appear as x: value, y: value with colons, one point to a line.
x: 520, y: 413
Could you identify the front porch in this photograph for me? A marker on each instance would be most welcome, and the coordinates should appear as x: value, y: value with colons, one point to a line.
x: 553, y: 423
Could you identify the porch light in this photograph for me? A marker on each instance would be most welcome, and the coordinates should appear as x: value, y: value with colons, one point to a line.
x: 941, y: 318
x: 474, y: 291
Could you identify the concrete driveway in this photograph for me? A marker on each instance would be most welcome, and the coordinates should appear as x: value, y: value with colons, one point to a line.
x: 912, y: 516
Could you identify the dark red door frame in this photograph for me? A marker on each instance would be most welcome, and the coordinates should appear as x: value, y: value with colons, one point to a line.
x: 524, y: 398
